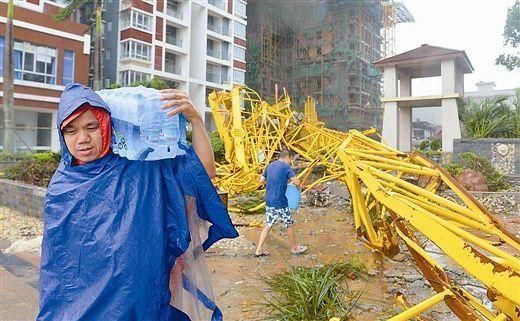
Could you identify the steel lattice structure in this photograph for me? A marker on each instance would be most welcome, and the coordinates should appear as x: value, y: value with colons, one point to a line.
x: 393, y: 196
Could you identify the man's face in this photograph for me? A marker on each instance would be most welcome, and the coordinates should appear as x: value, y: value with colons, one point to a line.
x: 83, y: 137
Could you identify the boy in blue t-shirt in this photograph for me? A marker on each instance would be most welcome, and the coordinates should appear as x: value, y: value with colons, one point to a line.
x: 276, y: 176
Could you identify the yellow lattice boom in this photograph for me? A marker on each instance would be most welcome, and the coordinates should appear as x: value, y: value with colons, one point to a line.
x: 393, y: 196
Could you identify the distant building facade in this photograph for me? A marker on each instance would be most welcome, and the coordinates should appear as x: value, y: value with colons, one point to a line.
x: 48, y: 54
x: 198, y: 46
x: 423, y: 130
x: 486, y: 89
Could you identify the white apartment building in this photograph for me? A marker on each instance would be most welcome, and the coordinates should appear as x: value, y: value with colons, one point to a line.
x: 199, y: 46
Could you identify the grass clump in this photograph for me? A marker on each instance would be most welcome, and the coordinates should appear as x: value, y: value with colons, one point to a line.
x: 312, y: 294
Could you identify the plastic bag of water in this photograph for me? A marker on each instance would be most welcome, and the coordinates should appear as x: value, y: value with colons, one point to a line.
x: 141, y: 129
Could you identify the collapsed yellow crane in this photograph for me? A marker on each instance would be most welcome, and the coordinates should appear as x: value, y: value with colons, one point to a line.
x: 393, y: 195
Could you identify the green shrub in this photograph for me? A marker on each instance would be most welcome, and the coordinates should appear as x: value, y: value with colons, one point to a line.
x: 37, y: 170
x: 424, y: 145
x: 311, y: 294
x: 491, y: 117
x: 14, y: 157
x: 436, y: 144
x: 218, y: 147
x: 495, y: 181
x: 155, y: 82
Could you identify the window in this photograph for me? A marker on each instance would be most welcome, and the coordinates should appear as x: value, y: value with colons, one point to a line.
x: 107, y: 54
x: 239, y: 53
x: 173, y: 8
x: 129, y: 77
x: 218, y: 3
x: 1, y: 56
x: 225, y: 26
x: 170, y: 64
x: 240, y: 8
x: 125, y: 19
x: 211, y: 23
x: 109, y: 26
x: 44, y: 128
x: 141, y: 21
x: 240, y: 30
x: 68, y: 67
x: 211, y: 48
x: 172, y: 36
x: 212, y: 73
x: 224, y: 77
x: 224, y: 51
x: 33, y: 62
x: 239, y: 76
x: 136, y: 19
x: 136, y: 50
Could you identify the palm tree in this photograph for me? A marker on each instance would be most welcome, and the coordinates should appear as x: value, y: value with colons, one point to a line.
x: 491, y: 117
x: 516, y: 114
x: 96, y: 24
x: 8, y: 75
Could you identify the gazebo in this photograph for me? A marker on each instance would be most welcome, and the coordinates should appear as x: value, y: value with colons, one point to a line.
x: 398, y: 99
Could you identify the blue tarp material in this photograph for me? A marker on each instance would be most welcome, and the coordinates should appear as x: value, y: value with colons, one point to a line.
x: 119, y: 234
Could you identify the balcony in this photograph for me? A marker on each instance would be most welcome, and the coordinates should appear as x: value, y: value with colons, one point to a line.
x: 219, y: 29
x: 173, y: 40
x: 219, y: 54
x: 217, y: 78
x: 221, y: 4
x: 173, y: 69
x: 174, y: 9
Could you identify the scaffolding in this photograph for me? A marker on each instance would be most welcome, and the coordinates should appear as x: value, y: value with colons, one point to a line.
x: 322, y: 49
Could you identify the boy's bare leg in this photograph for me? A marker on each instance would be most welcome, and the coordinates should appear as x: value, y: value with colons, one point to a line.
x: 291, y: 235
x: 261, y: 240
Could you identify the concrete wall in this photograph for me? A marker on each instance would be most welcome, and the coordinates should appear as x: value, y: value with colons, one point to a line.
x: 503, y: 153
x: 23, y: 198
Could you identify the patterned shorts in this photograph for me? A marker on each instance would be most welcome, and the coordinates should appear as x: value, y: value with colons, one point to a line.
x: 274, y: 214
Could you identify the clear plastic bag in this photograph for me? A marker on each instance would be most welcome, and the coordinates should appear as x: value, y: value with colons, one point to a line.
x: 141, y: 129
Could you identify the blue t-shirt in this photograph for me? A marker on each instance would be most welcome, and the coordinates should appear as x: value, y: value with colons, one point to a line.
x: 277, y: 175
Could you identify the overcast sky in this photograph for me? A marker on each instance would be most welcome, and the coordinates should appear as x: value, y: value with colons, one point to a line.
x: 475, y: 26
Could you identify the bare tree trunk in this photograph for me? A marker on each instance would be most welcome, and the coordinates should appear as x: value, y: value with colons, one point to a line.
x: 8, y: 86
x: 98, y: 47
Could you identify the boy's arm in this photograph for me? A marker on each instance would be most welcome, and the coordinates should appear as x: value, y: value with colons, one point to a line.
x: 292, y: 178
x: 296, y: 181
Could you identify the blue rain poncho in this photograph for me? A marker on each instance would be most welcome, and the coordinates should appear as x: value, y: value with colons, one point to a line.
x: 123, y: 240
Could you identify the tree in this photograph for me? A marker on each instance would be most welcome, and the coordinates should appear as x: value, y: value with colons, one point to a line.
x: 511, y: 38
x: 491, y: 117
x: 8, y: 75
x: 96, y: 24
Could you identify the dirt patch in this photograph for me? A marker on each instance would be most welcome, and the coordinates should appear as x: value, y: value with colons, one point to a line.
x: 238, y: 276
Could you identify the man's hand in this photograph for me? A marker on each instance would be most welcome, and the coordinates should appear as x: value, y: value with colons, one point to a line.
x: 200, y: 139
x: 182, y: 103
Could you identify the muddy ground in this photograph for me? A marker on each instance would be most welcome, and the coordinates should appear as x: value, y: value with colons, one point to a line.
x: 238, y: 276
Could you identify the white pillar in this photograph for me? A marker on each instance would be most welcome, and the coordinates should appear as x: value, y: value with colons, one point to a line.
x: 390, y: 123
x: 405, y: 115
x: 390, y: 118
x: 450, y: 115
x: 405, y: 129
x: 450, y: 124
x: 448, y: 76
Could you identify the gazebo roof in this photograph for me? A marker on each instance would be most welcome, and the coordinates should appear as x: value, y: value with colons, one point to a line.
x: 425, y: 61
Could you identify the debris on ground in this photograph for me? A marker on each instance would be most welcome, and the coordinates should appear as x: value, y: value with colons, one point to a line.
x: 15, y: 226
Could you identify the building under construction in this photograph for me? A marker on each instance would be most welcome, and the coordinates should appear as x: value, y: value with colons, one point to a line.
x: 323, y: 49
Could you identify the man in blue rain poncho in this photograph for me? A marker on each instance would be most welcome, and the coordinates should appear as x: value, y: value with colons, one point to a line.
x: 123, y: 239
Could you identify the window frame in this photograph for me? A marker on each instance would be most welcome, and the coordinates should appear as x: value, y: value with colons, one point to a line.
x: 65, y: 58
